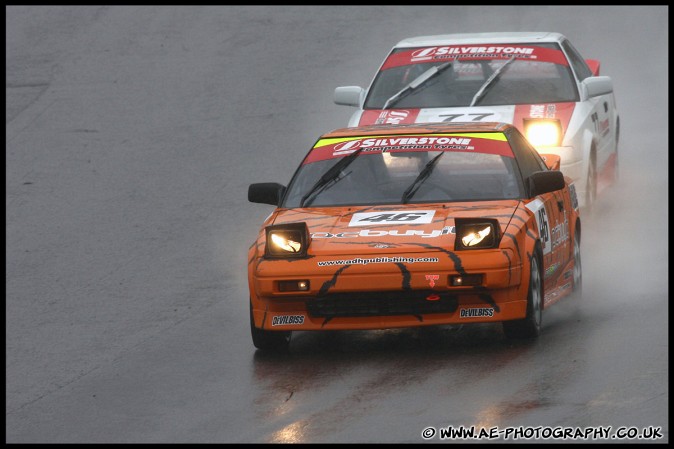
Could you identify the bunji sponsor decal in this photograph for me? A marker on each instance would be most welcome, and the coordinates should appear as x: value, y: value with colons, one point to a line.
x: 476, y: 312
x: 284, y: 320
x: 384, y: 233
x: 393, y: 216
x: 473, y: 52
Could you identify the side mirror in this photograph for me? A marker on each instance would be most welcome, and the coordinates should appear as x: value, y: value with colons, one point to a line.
x: 598, y: 85
x: 266, y: 193
x: 542, y: 182
x: 348, y: 95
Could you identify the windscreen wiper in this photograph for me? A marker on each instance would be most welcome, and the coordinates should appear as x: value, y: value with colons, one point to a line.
x: 418, y: 81
x: 329, y: 177
x: 490, y: 82
x: 425, y: 173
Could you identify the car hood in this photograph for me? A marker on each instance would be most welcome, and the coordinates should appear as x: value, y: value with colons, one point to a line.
x: 396, y: 228
x: 514, y: 114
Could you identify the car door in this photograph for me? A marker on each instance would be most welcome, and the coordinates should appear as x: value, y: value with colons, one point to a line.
x: 603, y: 114
x: 552, y: 211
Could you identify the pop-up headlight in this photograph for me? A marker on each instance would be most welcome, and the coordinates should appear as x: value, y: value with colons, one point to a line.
x: 543, y: 132
x: 474, y: 233
x: 287, y: 240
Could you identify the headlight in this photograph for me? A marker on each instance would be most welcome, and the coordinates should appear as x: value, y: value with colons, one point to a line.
x: 474, y: 233
x: 543, y: 132
x: 280, y: 240
x: 472, y: 238
x: 287, y: 240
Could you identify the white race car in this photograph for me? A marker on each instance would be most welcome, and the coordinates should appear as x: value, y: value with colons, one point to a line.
x: 536, y: 81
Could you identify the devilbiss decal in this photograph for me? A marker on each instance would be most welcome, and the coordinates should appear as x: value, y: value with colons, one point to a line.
x: 476, y: 312
x: 282, y: 320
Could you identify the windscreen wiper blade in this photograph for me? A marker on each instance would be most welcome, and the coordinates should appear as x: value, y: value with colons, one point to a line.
x: 490, y: 82
x: 418, y: 81
x: 423, y: 175
x: 328, y: 177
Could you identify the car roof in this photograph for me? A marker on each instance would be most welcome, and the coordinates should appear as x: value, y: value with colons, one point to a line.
x: 420, y: 128
x: 481, y: 38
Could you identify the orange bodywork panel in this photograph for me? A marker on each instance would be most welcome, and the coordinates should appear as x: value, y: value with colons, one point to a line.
x: 357, y: 278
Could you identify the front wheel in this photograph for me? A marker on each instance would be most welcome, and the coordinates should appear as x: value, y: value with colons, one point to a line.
x: 269, y: 341
x: 530, y: 325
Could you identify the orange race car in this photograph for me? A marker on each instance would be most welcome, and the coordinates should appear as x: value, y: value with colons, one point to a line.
x: 391, y: 226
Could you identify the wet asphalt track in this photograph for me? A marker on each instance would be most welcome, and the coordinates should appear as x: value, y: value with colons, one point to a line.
x: 132, y: 134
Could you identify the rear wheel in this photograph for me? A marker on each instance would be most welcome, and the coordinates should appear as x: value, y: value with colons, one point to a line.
x: 591, y: 184
x: 577, y: 267
x: 529, y: 326
x: 269, y: 341
x: 616, y: 168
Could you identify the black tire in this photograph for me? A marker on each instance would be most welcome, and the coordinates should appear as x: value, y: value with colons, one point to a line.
x: 591, y: 184
x: 269, y: 341
x: 529, y: 326
x: 616, y: 169
x: 577, y: 267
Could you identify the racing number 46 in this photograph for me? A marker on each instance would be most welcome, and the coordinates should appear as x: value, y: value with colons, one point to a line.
x: 393, y: 217
x: 543, y: 225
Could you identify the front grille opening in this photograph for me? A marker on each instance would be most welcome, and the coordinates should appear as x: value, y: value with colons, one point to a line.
x: 412, y: 302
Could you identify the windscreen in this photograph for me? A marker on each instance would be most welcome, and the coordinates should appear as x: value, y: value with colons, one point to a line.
x: 406, y: 169
x: 496, y: 74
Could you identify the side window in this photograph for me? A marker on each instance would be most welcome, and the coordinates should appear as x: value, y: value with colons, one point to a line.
x: 528, y: 158
x: 577, y: 62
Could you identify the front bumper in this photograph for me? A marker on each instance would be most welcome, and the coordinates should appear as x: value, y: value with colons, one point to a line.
x: 389, y: 295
